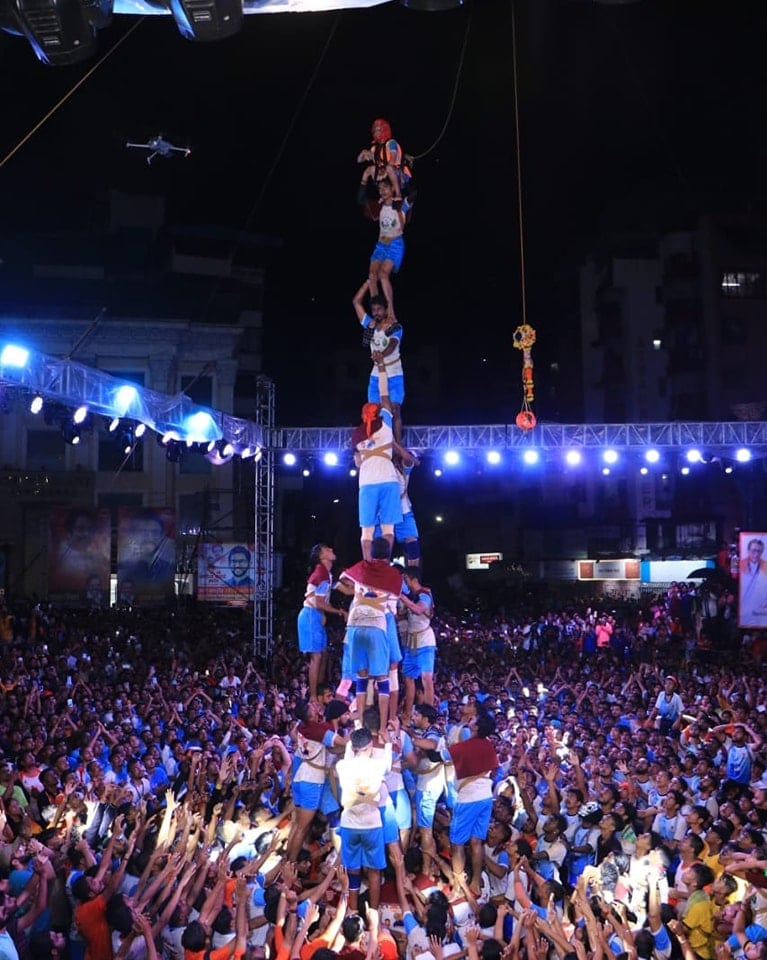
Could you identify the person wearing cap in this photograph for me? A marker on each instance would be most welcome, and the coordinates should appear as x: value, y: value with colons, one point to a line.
x: 361, y: 779
x: 312, y: 636
x: 375, y: 586
x: 373, y: 442
x: 311, y: 786
x: 668, y: 708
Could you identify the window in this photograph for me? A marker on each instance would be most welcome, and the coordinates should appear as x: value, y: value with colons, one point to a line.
x: 743, y: 284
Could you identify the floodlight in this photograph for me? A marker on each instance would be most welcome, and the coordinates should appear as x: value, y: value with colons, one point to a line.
x: 493, y: 457
x: 610, y: 456
x: 743, y: 455
x: 80, y: 414
x: 605, y: 471
x: 289, y: 459
x: 652, y: 456
x: 330, y: 459
x: 124, y: 398
x: 452, y: 457
x: 531, y: 457
x: 694, y: 456
x: 37, y: 404
x: 13, y: 356
x: 573, y: 457
x: 200, y: 427
x: 139, y: 430
x: 684, y: 471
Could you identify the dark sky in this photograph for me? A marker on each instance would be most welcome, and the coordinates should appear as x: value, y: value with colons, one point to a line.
x: 613, y: 98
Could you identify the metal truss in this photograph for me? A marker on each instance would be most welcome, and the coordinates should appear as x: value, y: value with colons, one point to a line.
x: 263, y: 595
x: 620, y: 436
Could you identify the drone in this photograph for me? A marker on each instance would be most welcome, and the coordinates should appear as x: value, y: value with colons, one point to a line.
x: 160, y: 148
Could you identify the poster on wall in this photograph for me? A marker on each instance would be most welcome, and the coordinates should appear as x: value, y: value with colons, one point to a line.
x: 78, y: 556
x: 752, y: 580
x: 226, y: 572
x: 146, y: 555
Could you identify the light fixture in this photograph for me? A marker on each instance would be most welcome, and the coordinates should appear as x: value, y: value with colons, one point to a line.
x: 431, y: 6
x: 493, y: 457
x: 80, y: 414
x: 610, y: 456
x: 573, y: 457
x: 452, y: 458
x: 37, y: 404
x: 139, y: 430
x: 531, y: 457
x: 330, y: 459
x: 694, y: 455
x: 175, y: 451
x: 743, y: 455
x: 114, y: 423
x: 70, y: 432
x: 14, y: 356
x: 289, y: 459
x: 206, y: 20
x: 652, y: 456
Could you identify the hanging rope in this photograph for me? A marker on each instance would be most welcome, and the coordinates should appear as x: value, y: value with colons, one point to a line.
x: 255, y: 206
x: 524, y: 336
x: 60, y: 103
x: 296, y: 113
x: 459, y: 71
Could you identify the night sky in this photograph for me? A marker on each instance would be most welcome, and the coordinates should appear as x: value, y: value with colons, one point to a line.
x: 624, y: 109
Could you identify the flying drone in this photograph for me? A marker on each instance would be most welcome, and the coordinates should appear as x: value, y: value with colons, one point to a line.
x: 160, y: 148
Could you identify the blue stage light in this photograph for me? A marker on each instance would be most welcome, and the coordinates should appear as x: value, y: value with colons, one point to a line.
x: 452, y: 458
x: 124, y: 398
x: 200, y: 427
x: 289, y: 459
x: 14, y: 356
x: 531, y: 457
x: 331, y: 459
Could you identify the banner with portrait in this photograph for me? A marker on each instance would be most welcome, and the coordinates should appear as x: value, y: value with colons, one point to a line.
x: 752, y: 580
x: 146, y: 555
x: 226, y: 572
x: 79, y: 541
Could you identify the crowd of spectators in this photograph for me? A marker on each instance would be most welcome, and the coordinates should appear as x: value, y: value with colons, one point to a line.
x: 145, y: 778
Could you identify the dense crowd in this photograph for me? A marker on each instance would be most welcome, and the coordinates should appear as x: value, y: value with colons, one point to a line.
x: 150, y: 804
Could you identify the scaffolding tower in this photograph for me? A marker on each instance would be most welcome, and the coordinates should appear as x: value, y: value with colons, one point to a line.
x: 263, y: 520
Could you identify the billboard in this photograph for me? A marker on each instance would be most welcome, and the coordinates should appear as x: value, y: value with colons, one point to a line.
x: 226, y: 572
x: 752, y: 580
x: 146, y: 555
x: 78, y: 556
x: 608, y: 569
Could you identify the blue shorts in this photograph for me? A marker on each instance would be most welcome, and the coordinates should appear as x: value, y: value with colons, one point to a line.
x: 314, y: 796
x: 312, y: 637
x: 368, y: 651
x: 403, y: 811
x: 394, y: 250
x: 379, y: 503
x: 471, y: 820
x: 418, y: 662
x: 390, y: 825
x: 392, y: 637
x: 362, y: 848
x: 396, y: 389
x: 425, y: 808
x: 406, y: 529
x: 346, y: 660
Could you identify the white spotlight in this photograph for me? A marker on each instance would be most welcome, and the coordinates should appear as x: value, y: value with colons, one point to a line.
x: 80, y: 414
x: 610, y: 456
x: 573, y: 457
x: 644, y: 471
x: 531, y: 457
x: 605, y: 471
x: 743, y: 455
x: 493, y: 457
x: 684, y: 471
x: 694, y: 456
x: 289, y: 459
x: 452, y: 457
x: 652, y: 456
x: 37, y: 404
x: 331, y: 459
x: 140, y: 430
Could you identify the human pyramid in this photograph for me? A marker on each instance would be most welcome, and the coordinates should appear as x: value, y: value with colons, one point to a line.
x: 388, y: 628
